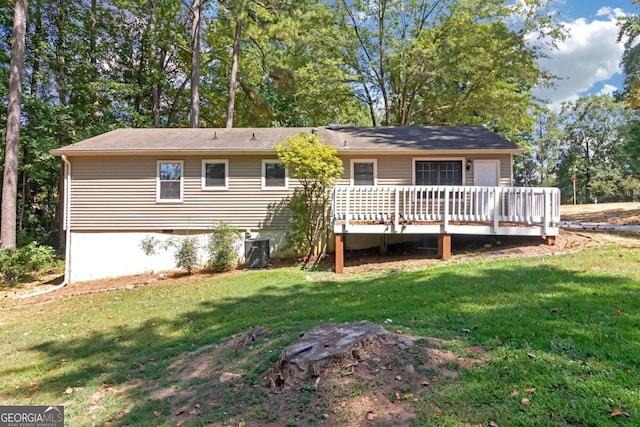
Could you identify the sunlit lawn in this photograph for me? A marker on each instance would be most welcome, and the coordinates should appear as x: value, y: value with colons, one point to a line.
x: 567, y: 326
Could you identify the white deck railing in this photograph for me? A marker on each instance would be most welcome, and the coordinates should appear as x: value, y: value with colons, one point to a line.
x: 403, y: 205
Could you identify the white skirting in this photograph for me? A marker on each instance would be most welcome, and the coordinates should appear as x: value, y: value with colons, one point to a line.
x: 99, y: 255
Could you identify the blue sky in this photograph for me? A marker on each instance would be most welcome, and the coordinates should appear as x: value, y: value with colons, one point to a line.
x: 588, y: 61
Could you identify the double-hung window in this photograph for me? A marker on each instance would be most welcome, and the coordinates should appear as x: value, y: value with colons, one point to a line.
x: 363, y: 172
x: 438, y: 172
x: 169, y: 180
x: 215, y: 174
x: 274, y: 175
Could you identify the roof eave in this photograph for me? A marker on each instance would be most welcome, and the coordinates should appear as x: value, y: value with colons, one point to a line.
x: 164, y: 152
x: 341, y: 151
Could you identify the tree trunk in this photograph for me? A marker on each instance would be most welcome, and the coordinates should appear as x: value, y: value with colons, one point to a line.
x: 196, y: 10
x: 155, y: 56
x: 234, y: 73
x: 30, y: 113
x: 60, y: 21
x: 10, y: 178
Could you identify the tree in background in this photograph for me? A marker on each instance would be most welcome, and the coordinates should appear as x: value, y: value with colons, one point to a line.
x: 12, y: 146
x: 594, y: 129
x: 630, y: 32
x: 447, y: 62
x: 538, y: 165
x: 317, y: 168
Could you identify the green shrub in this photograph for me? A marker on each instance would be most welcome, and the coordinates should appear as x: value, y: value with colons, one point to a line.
x: 221, y: 251
x: 186, y: 255
x: 317, y: 168
x: 149, y: 245
x: 19, y: 263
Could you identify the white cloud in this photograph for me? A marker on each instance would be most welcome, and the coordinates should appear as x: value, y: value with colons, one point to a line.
x: 588, y: 56
x: 607, y: 89
x: 610, y: 12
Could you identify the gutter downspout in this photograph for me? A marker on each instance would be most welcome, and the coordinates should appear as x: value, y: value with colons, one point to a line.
x: 67, y: 238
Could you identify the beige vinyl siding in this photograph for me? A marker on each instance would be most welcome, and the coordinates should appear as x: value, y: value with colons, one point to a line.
x: 119, y: 193
x: 109, y: 193
x: 398, y: 170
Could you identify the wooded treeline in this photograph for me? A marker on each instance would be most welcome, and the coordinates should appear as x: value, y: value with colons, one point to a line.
x: 95, y: 65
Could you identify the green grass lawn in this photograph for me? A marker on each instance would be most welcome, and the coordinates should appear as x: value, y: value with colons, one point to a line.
x: 568, y: 326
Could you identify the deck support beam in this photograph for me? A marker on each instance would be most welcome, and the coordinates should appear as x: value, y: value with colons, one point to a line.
x: 444, y: 246
x: 384, y: 248
x: 339, y: 253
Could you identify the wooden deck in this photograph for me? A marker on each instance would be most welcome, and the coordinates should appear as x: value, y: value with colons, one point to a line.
x: 444, y: 210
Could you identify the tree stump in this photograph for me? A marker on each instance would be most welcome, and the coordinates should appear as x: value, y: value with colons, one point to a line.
x: 327, y: 346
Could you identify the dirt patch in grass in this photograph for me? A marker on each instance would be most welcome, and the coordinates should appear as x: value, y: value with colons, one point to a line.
x: 604, y: 213
x: 226, y: 384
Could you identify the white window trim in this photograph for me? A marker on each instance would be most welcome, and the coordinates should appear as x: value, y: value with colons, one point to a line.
x: 263, y: 177
x: 375, y: 170
x: 158, y: 199
x: 205, y: 162
x: 439, y: 159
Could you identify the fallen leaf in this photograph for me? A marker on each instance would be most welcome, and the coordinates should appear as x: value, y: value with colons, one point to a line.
x: 617, y: 312
x: 466, y: 331
x: 514, y: 392
x: 530, y: 390
x: 157, y: 413
x: 425, y: 383
x: 525, y: 401
x: 398, y: 378
x: 555, y: 309
x: 397, y: 396
x: 493, y: 424
x: 68, y: 390
x: 617, y: 412
x: 408, y: 396
x: 531, y: 355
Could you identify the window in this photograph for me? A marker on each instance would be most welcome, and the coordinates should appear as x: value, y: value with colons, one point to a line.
x: 363, y: 172
x: 169, y: 184
x: 215, y: 175
x: 438, y: 172
x: 274, y: 175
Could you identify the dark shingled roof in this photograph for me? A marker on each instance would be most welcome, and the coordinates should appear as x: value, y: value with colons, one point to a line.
x: 248, y: 140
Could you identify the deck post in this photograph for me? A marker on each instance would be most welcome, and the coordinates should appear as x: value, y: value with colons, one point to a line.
x: 396, y: 210
x: 547, y: 209
x: 444, y: 246
x: 496, y: 209
x: 339, y: 253
x: 346, y: 211
x: 551, y: 240
x: 445, y: 220
x: 384, y: 248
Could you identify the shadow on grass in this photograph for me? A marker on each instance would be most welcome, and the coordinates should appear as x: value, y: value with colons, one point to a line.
x: 506, y: 307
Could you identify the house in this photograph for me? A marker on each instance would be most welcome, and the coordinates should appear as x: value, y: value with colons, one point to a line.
x: 398, y: 182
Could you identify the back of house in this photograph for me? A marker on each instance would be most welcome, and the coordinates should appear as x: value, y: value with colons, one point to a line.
x: 128, y: 185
